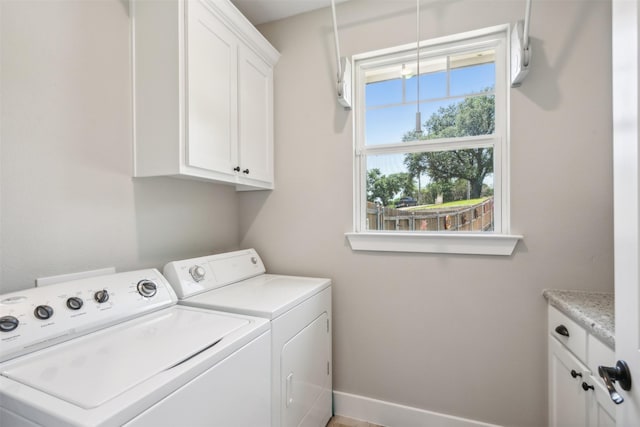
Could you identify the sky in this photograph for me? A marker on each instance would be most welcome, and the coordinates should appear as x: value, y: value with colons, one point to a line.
x: 388, y: 118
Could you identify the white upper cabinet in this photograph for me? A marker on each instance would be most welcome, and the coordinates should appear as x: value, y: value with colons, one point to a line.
x: 203, y: 93
x: 255, y: 116
x: 212, y: 52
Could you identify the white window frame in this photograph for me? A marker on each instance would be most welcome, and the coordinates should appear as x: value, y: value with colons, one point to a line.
x: 498, y: 242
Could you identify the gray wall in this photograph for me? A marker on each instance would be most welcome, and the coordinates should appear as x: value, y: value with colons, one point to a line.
x: 68, y: 200
x: 463, y: 335
x: 457, y: 334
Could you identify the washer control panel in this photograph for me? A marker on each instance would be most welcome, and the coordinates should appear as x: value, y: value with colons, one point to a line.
x: 39, y: 317
x: 193, y: 276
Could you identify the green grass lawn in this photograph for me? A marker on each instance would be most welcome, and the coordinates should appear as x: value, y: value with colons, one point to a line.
x: 456, y: 204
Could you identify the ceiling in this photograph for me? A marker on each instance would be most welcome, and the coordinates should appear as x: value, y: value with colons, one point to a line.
x: 261, y: 11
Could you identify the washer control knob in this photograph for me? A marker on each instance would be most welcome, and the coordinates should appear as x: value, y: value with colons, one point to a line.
x: 8, y: 323
x: 147, y: 288
x: 101, y: 296
x: 197, y: 272
x: 43, y: 312
x: 74, y: 303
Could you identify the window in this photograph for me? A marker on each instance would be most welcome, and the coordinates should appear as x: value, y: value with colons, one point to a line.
x: 431, y: 150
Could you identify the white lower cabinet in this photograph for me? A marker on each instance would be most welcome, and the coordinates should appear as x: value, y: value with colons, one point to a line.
x: 577, y: 396
x: 203, y: 93
x: 600, y: 409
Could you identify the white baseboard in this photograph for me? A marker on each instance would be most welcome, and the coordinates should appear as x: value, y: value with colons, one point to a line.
x: 394, y: 415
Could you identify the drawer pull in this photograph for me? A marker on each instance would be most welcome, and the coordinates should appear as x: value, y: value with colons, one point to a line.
x: 586, y: 386
x: 562, y: 330
x: 575, y: 374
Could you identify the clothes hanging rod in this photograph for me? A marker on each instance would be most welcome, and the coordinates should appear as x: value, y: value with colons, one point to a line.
x: 336, y: 39
x: 344, y: 66
x: 525, y: 36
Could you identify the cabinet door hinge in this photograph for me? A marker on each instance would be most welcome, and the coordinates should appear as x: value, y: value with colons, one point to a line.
x: 327, y: 325
x: 328, y: 371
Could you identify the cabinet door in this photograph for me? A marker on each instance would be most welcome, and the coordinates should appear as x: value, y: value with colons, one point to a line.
x: 567, y: 399
x: 601, y: 409
x: 255, y: 97
x: 211, y: 92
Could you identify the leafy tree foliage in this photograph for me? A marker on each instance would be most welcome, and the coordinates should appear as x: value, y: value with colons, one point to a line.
x: 416, y: 164
x: 473, y: 116
x: 386, y: 187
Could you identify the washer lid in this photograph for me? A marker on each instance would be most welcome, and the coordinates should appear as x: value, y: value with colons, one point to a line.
x: 266, y: 296
x: 93, y: 369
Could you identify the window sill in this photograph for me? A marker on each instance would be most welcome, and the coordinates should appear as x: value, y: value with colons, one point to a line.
x: 442, y: 243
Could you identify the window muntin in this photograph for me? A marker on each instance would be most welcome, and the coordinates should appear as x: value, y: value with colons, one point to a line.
x: 463, y: 73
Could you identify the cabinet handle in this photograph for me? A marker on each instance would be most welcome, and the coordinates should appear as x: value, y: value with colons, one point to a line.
x: 237, y: 169
x: 575, y: 374
x: 586, y: 386
x: 562, y: 330
x: 619, y: 373
x: 246, y: 171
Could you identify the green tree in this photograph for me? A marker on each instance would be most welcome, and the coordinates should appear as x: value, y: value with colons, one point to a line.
x: 386, y: 187
x: 473, y: 116
x: 434, y: 189
x: 416, y: 164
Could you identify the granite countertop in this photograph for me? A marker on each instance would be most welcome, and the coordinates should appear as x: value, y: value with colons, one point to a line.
x: 592, y: 310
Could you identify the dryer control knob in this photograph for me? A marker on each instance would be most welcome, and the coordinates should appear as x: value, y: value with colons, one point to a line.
x: 197, y: 272
x: 43, y: 312
x: 74, y: 303
x: 101, y: 296
x: 147, y: 288
x: 8, y: 323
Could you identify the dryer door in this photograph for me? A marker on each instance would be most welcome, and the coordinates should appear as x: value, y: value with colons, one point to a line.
x: 306, y: 379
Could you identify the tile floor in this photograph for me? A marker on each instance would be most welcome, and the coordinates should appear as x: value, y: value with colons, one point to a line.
x: 339, y: 421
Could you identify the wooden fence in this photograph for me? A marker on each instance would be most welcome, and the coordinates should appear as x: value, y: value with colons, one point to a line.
x: 477, y: 217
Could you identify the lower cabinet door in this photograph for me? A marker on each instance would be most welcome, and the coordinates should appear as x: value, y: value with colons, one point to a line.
x: 601, y: 409
x: 567, y: 398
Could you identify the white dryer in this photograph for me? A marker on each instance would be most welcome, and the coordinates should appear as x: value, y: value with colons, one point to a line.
x: 299, y: 309
x: 116, y: 350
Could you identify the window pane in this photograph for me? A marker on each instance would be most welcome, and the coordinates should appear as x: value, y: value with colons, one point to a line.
x: 384, y: 92
x: 473, y: 72
x: 432, y: 86
x: 447, y: 110
x: 472, y: 79
x: 447, y: 118
x: 431, y: 191
x: 459, y: 117
x: 389, y: 125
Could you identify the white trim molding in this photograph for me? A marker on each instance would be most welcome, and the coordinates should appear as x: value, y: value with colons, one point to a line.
x: 441, y: 242
x: 392, y: 414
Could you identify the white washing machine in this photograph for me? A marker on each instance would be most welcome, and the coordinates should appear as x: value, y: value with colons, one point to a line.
x: 299, y: 309
x: 116, y: 350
